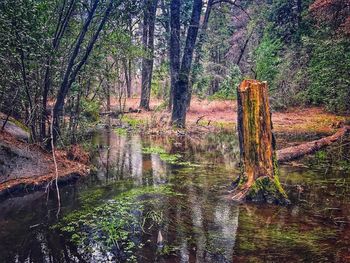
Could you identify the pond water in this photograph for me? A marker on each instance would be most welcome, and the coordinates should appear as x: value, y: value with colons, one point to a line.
x: 165, y: 200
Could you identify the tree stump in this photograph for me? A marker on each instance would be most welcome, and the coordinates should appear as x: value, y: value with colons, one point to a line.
x: 258, y: 180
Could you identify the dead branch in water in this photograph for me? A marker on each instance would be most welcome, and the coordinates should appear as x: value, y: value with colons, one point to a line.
x: 56, y: 169
x: 295, y: 152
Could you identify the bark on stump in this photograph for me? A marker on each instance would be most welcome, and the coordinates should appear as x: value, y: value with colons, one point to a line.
x: 258, y: 180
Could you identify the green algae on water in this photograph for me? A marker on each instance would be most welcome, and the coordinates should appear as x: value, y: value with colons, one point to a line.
x: 116, y: 224
x: 121, y: 131
x: 163, y: 155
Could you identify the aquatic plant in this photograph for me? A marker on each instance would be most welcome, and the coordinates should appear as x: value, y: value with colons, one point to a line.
x: 120, y: 131
x: 169, y: 158
x: 116, y: 225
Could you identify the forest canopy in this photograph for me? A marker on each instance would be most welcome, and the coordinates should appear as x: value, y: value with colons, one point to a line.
x: 71, y: 57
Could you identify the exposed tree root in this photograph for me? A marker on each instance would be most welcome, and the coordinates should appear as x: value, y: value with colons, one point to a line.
x: 295, y: 152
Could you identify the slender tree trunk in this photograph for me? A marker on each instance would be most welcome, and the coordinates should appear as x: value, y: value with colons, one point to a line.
x: 174, y: 47
x: 259, y: 179
x: 244, y: 47
x: 76, y: 118
x: 166, y: 13
x: 198, y: 51
x: 32, y: 111
x: 127, y: 75
x: 148, y: 43
x: 130, y: 78
x: 178, y: 117
x: 130, y: 60
x: 62, y: 23
x: 144, y: 71
x: 108, y: 94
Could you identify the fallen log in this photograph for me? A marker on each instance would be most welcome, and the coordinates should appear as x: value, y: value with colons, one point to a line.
x: 295, y: 152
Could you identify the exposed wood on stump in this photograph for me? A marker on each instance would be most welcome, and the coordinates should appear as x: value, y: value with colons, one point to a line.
x: 259, y: 178
x: 295, y: 152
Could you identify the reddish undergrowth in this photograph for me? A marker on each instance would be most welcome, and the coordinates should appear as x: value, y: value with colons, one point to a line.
x: 223, y: 114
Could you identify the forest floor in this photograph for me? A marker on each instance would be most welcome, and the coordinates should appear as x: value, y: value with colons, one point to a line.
x: 25, y: 166
x: 223, y: 114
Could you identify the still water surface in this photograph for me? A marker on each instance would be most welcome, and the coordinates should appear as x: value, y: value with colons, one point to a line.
x: 163, y: 200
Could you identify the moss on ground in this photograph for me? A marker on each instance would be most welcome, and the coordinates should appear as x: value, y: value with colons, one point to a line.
x: 265, y: 189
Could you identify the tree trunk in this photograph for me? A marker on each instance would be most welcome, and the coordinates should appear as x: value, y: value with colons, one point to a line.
x: 199, y: 51
x: 129, y: 84
x: 148, y: 43
x: 127, y: 74
x: 144, y: 71
x: 73, y: 69
x: 178, y: 117
x: 259, y: 179
x: 174, y: 47
x: 62, y: 24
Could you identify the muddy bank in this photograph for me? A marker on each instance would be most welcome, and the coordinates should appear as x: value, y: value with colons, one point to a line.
x: 26, y: 167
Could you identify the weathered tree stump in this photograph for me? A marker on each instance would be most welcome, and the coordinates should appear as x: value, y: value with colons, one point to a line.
x: 258, y: 180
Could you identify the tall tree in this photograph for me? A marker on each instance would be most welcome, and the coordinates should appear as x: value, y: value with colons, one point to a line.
x: 75, y: 66
x: 148, y: 44
x: 65, y: 14
x: 174, y: 46
x: 181, y: 86
x: 198, y: 51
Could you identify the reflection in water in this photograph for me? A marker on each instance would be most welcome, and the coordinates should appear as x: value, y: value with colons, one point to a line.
x: 159, y: 170
x: 119, y: 157
x: 226, y: 219
x: 201, y: 218
x: 197, y: 224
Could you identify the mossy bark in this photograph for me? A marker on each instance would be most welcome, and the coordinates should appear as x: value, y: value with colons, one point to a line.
x: 259, y: 179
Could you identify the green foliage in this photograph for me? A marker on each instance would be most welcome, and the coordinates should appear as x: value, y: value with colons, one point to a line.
x: 41, y: 40
x: 304, y: 62
x: 162, y: 106
x: 90, y: 110
x: 160, y: 86
x: 229, y: 84
x: 268, y: 59
x: 23, y: 45
x: 320, y: 155
x: 329, y: 75
x: 331, y: 160
x: 216, y: 76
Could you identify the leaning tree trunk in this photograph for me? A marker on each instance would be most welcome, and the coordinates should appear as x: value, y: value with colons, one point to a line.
x: 259, y: 178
